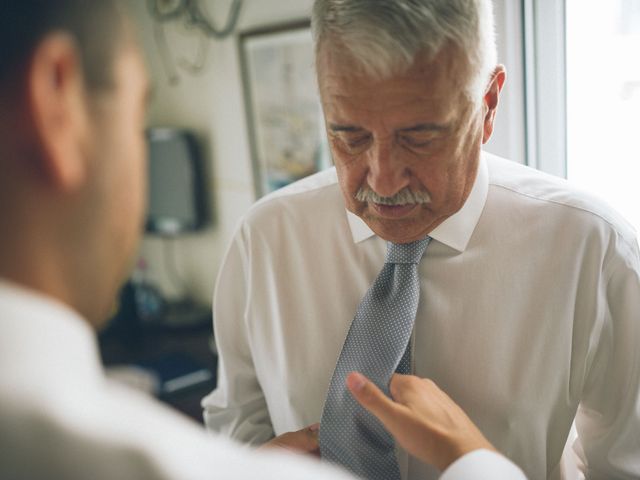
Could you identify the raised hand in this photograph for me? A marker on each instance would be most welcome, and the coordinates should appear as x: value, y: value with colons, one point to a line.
x: 424, y: 420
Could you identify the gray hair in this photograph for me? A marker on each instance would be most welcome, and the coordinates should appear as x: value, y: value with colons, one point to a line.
x: 385, y: 36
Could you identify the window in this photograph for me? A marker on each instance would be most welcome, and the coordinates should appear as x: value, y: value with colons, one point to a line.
x: 583, y: 95
x: 603, y: 100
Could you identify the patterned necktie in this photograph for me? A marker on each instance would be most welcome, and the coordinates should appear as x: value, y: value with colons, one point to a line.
x: 377, y: 345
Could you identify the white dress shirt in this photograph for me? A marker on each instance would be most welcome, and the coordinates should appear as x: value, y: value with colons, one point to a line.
x: 61, y: 419
x: 529, y: 318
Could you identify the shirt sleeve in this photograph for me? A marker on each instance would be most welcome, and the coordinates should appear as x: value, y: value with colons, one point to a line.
x: 483, y: 465
x: 608, y: 417
x: 237, y: 407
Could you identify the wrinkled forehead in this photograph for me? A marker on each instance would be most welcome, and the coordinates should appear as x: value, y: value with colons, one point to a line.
x: 333, y: 56
x: 440, y: 78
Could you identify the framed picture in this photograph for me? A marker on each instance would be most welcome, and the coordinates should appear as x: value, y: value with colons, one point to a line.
x: 286, y: 130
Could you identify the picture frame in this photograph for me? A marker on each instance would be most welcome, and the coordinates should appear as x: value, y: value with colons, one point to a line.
x: 284, y: 117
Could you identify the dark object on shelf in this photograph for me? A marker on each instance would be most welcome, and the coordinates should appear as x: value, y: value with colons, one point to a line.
x: 185, y: 314
x: 173, y: 351
x: 141, y: 307
x: 124, y: 326
x: 150, y: 306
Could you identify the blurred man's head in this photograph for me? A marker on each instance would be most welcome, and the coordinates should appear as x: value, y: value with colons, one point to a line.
x: 72, y: 151
x: 409, y: 90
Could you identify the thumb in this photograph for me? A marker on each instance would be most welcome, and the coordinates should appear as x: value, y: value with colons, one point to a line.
x: 371, y: 397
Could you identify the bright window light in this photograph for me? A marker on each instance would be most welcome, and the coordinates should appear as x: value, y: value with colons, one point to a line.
x: 603, y: 101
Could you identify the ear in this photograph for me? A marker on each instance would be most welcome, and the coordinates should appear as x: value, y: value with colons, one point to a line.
x: 57, y: 105
x: 491, y: 97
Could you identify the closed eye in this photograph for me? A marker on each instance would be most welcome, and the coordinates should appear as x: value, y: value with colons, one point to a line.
x: 415, y: 142
x: 350, y: 143
x: 356, y: 142
x: 422, y: 136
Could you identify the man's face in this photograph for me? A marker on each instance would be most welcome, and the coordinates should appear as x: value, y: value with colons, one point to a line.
x: 415, y: 131
x: 118, y: 152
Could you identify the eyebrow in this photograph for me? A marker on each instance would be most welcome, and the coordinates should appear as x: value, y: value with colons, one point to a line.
x: 344, y: 128
x: 424, y: 127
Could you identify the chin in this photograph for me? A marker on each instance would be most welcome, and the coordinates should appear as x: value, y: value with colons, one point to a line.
x: 397, y: 231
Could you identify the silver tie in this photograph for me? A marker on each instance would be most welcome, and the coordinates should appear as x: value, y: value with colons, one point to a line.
x: 377, y: 345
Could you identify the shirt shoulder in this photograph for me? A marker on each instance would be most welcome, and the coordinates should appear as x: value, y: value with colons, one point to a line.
x: 312, y: 201
x: 557, y: 196
x: 311, y: 183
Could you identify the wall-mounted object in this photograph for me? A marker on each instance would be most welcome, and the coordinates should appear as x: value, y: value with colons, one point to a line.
x: 191, y: 15
x: 284, y: 116
x: 190, y: 11
x: 177, y: 195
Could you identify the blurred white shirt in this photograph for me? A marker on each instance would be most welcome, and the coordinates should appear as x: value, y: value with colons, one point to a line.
x: 529, y: 318
x: 60, y: 418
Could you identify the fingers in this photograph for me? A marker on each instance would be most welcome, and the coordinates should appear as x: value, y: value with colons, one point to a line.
x: 410, y: 390
x: 372, y: 398
x: 301, y: 441
x: 424, y: 420
x: 400, y: 386
x: 306, y: 440
x: 312, y: 442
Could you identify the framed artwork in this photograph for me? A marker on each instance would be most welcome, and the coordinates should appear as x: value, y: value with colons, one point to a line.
x: 284, y: 117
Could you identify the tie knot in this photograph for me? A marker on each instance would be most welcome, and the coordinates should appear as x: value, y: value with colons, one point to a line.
x: 406, y: 252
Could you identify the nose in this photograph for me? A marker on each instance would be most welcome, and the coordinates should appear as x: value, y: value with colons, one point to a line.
x: 387, y: 173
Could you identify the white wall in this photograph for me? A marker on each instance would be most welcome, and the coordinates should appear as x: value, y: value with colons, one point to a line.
x: 212, y: 104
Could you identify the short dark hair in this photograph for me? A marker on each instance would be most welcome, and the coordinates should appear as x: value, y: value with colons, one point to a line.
x: 97, y: 27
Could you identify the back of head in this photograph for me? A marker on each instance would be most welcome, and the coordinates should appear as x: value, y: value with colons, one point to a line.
x: 72, y: 89
x: 93, y: 25
x: 384, y: 37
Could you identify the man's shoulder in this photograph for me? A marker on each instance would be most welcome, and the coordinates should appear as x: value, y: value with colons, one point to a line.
x: 312, y: 198
x: 526, y: 186
x: 107, y: 424
x: 312, y: 183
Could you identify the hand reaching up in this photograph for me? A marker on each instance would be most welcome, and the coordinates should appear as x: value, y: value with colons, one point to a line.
x: 424, y: 420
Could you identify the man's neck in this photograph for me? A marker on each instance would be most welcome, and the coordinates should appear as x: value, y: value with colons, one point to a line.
x: 29, y: 260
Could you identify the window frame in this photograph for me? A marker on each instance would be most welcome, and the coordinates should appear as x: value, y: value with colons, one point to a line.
x: 544, y: 28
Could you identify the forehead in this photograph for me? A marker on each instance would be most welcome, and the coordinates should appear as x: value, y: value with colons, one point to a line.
x: 430, y: 87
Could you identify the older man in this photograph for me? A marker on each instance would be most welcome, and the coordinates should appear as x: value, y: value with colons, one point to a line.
x: 515, y: 293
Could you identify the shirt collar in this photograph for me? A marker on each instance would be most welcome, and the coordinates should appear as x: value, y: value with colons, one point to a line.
x: 456, y: 230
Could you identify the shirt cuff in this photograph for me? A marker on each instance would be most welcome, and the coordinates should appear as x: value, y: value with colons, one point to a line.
x: 483, y: 465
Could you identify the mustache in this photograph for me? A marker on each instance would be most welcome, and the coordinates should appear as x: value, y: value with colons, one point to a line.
x: 404, y: 197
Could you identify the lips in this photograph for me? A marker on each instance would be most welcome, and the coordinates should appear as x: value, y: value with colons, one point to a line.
x: 393, y: 211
